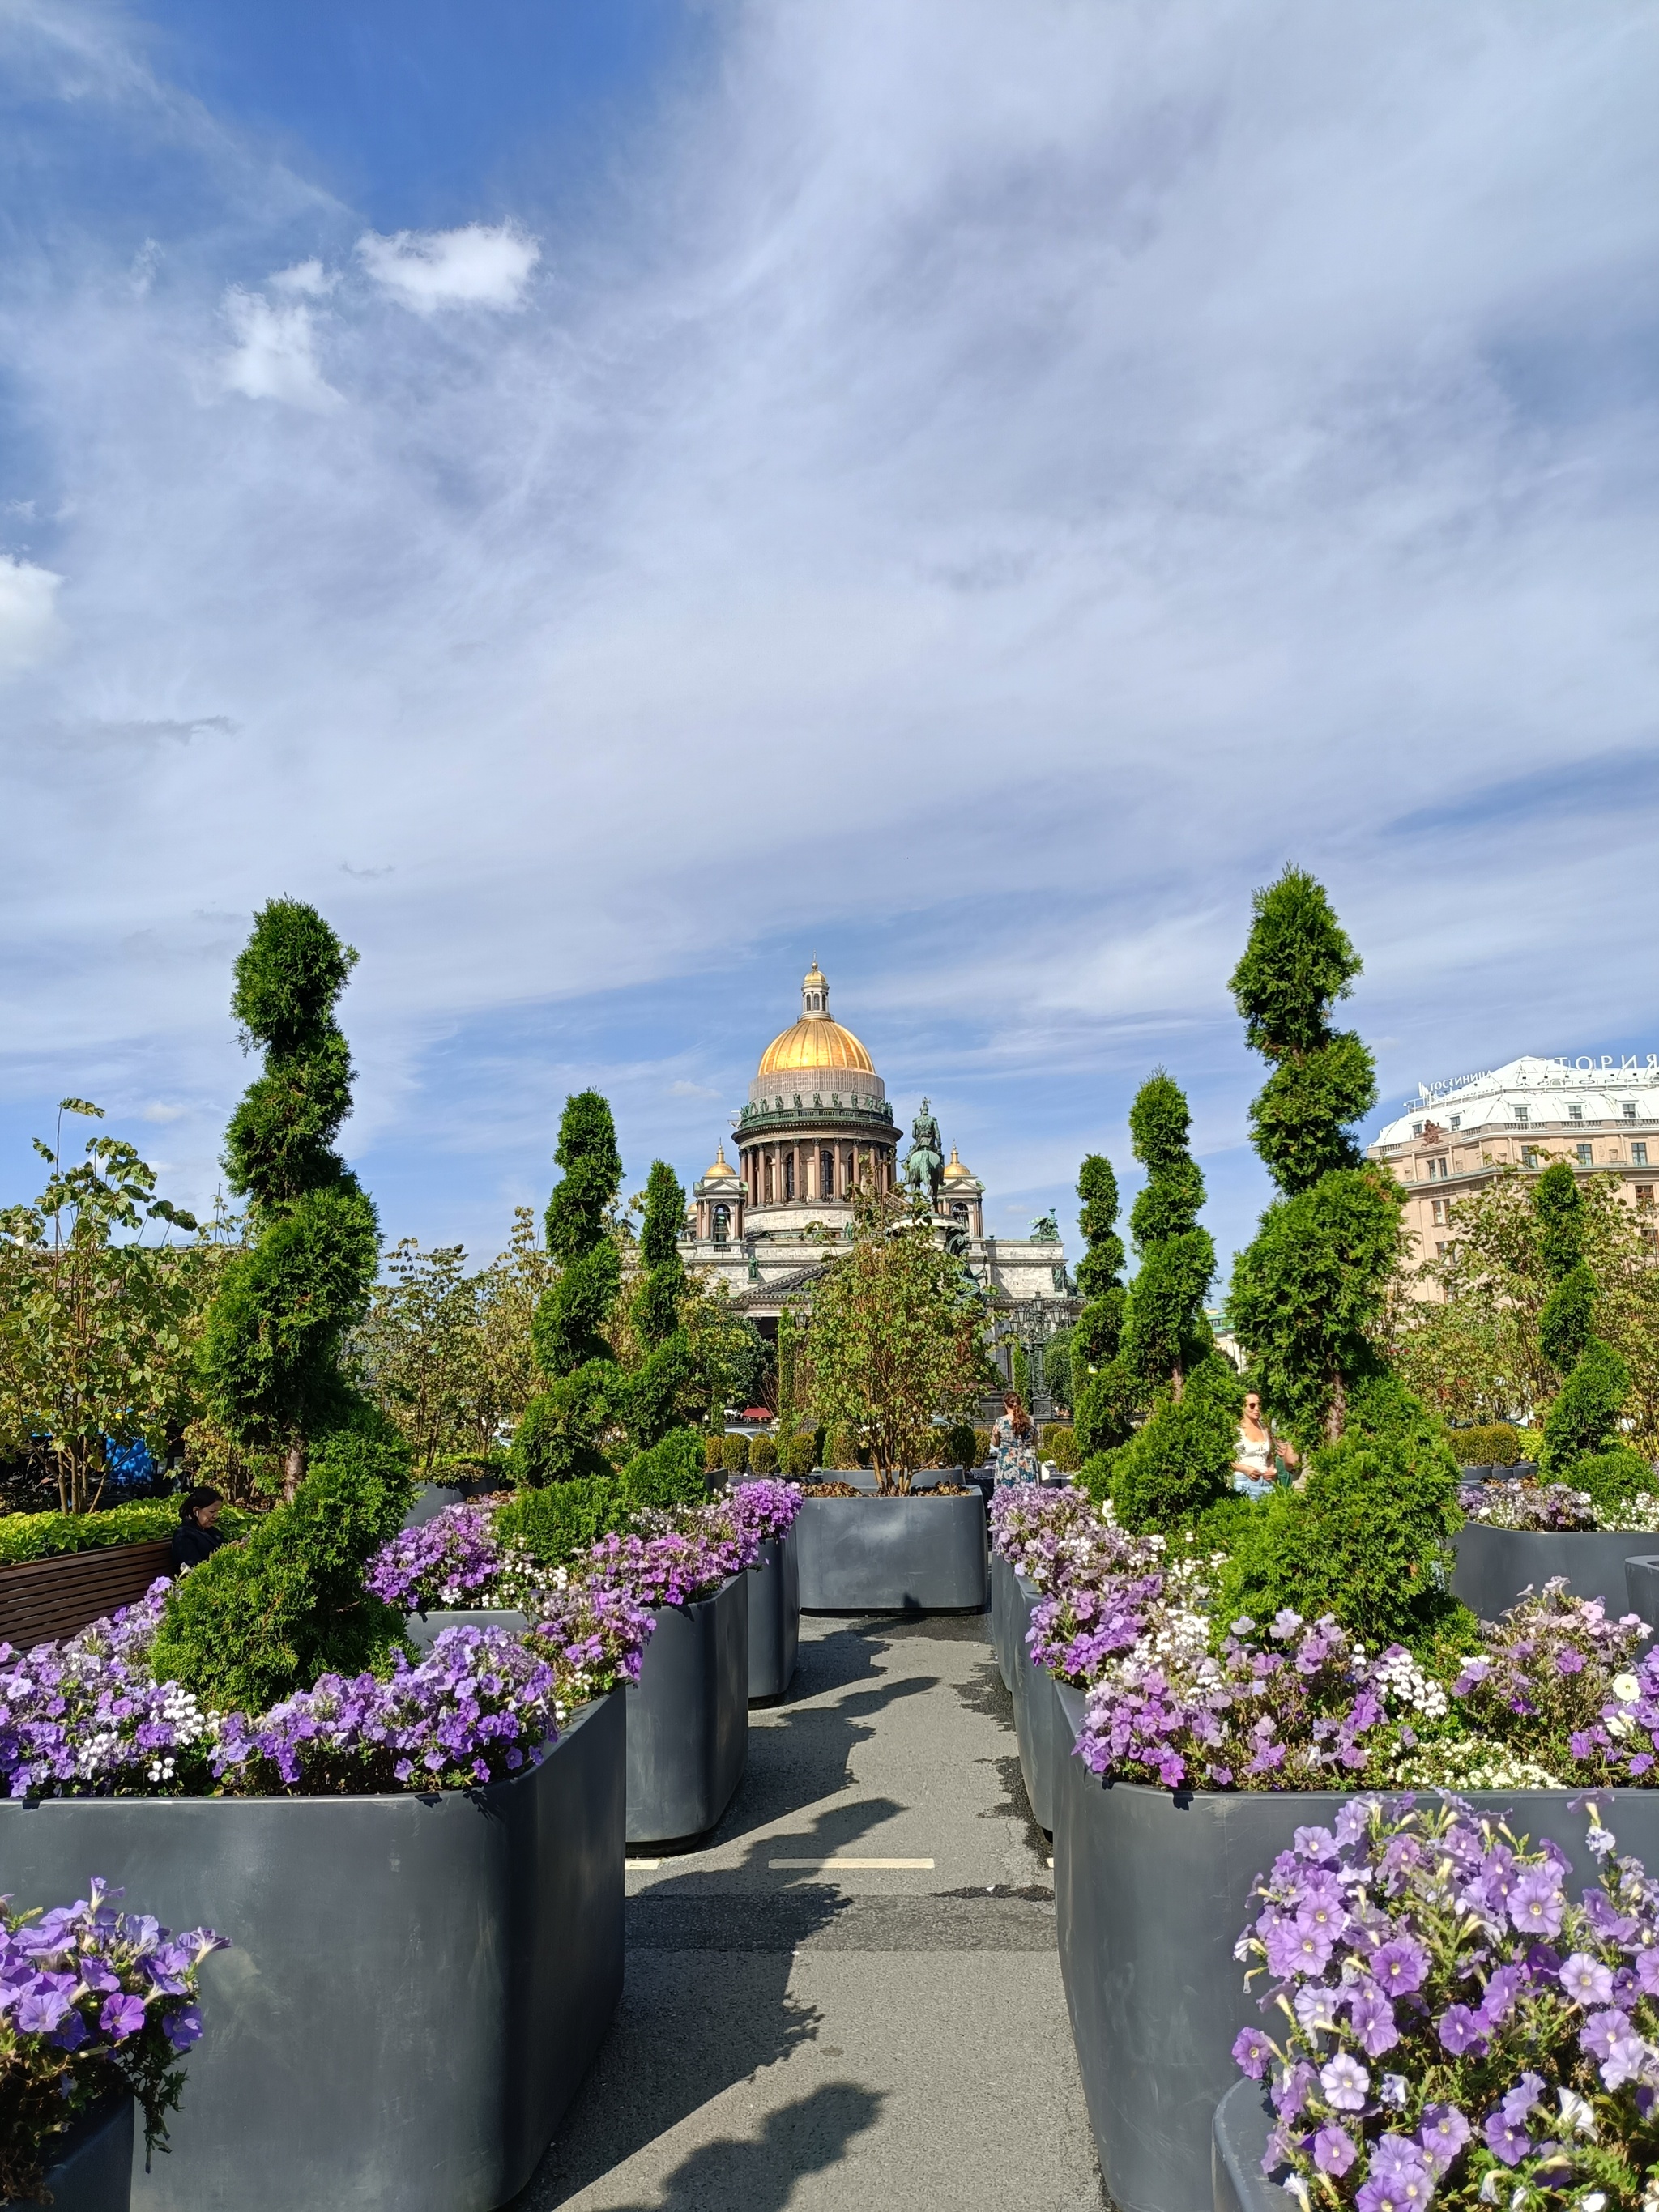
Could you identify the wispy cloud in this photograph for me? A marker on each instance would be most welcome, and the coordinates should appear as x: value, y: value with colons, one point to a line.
x: 28, y: 615
x: 475, y: 267
x: 275, y: 357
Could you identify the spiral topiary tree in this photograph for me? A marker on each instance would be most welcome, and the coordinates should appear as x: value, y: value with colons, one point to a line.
x: 558, y: 1438
x: 261, y: 1618
x: 1583, y: 1441
x: 1308, y: 1292
x: 657, y: 1389
x: 1167, y: 1334
x: 1102, y: 1394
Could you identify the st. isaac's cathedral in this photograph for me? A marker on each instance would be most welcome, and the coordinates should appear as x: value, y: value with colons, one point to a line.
x: 815, y: 1124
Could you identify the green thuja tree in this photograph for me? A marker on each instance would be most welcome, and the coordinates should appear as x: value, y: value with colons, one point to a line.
x: 1309, y: 1294
x: 1166, y: 1333
x: 264, y: 1618
x: 1103, y: 1398
x: 659, y: 1389
x: 1583, y: 1443
x: 560, y: 1435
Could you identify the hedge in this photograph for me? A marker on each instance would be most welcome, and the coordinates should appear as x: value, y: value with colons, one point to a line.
x: 1497, y: 1444
x: 1060, y: 1445
x: 148, y: 1520
x: 762, y: 1455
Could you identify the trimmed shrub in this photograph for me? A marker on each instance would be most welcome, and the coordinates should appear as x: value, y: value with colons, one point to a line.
x: 1180, y: 1462
x: 1497, y: 1443
x: 734, y: 1454
x: 981, y: 1446
x: 1584, y: 1422
x: 670, y: 1472
x: 959, y: 1446
x: 762, y: 1455
x: 1060, y: 1444
x: 711, y: 1460
x: 1612, y: 1478
x: 841, y: 1448
x: 148, y: 1520
x: 799, y: 1454
x: 556, y: 1524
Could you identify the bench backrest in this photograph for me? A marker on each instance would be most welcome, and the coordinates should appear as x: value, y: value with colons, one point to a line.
x: 42, y: 1601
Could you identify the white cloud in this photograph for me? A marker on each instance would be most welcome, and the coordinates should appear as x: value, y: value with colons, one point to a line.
x: 307, y: 280
x: 275, y: 356
x: 476, y: 266
x: 29, y: 626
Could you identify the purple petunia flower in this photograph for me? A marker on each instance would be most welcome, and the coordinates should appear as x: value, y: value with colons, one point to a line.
x: 1521, y: 2099
x: 1586, y: 1980
x: 1459, y: 2030
x: 1252, y: 2053
x: 1345, y: 2082
x: 1442, y: 2134
x: 1333, y: 2149
x: 1372, y: 2019
x: 1536, y: 1904
x: 1399, y: 1966
x: 1506, y: 2140
x: 121, y: 2016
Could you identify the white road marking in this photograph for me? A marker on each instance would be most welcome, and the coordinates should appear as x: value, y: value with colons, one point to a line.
x: 858, y: 1866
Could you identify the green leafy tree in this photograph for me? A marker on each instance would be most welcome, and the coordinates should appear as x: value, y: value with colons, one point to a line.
x: 564, y: 1427
x: 893, y: 1340
x: 1583, y: 1424
x: 664, y: 1379
x: 1179, y: 1464
x: 96, y: 1326
x: 1104, y: 1397
x: 261, y: 1618
x: 1309, y: 1295
x: 417, y: 1352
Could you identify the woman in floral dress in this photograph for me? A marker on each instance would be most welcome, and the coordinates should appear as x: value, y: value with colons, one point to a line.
x: 1013, y: 1442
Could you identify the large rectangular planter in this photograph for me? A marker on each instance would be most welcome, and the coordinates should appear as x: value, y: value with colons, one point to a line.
x: 1494, y: 1565
x: 432, y: 1498
x: 1001, y: 1588
x: 1151, y: 1891
x: 773, y: 1617
x: 688, y: 1717
x: 898, y: 1554
x: 1238, y: 2143
x: 416, y: 1985
x: 1037, y: 1721
x: 424, y: 1628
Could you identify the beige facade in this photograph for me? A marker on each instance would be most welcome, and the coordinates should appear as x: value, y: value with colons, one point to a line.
x: 1603, y: 1119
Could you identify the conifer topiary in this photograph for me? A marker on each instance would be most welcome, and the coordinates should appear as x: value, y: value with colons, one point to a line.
x: 1104, y: 1396
x: 1583, y: 1440
x: 266, y: 1617
x: 1166, y: 1333
x: 1308, y: 1293
x: 558, y: 1438
x: 657, y: 1389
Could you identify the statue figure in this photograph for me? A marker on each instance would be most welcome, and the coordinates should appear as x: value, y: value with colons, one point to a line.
x: 924, y: 1163
x: 1045, y: 1230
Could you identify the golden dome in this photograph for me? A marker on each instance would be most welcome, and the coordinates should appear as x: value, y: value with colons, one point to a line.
x: 955, y: 1171
x: 815, y: 1040
x: 720, y: 1168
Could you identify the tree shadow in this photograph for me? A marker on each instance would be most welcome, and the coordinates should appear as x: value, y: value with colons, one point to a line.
x: 759, y: 2174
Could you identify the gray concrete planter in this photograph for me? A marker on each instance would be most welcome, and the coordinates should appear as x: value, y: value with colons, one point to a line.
x: 773, y: 1617
x: 1642, y: 1588
x: 417, y: 1987
x: 1037, y: 1721
x: 93, y: 2170
x: 1002, y: 1607
x: 424, y: 1629
x: 688, y: 1717
x: 892, y: 1554
x: 1238, y: 2140
x: 1494, y: 1565
x: 1151, y: 1892
x: 431, y: 1498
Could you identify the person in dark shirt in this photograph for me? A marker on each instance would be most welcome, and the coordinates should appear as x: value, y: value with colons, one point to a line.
x: 197, y: 1536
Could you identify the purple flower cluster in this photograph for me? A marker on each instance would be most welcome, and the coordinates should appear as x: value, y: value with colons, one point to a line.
x: 677, y: 1565
x: 480, y: 1706
x: 763, y: 1509
x: 1454, y: 2024
x: 88, y: 1715
x: 90, y: 1998
x: 1046, y: 1535
x: 451, y: 1559
x: 594, y: 1631
x: 1557, y: 1677
x: 1528, y: 1505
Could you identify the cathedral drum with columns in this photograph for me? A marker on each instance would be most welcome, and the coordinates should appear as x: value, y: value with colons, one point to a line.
x: 817, y: 1124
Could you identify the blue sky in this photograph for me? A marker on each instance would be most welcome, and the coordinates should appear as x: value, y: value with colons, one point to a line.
x: 613, y: 500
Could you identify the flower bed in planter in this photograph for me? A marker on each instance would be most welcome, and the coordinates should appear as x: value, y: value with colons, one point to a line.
x: 1037, y: 1724
x: 910, y: 1553
x: 766, y: 1512
x: 418, y: 1981
x: 688, y: 1717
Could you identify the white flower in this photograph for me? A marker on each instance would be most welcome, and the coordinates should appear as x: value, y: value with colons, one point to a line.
x: 1626, y: 1689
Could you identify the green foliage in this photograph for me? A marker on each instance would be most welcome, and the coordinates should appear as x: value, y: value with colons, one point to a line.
x: 800, y: 1453
x: 1558, y: 1206
x: 569, y: 1327
x: 556, y: 1524
x: 1108, y: 1408
x: 670, y: 1473
x: 657, y: 1300
x: 558, y: 1438
x: 261, y: 1618
x: 148, y: 1520
x: 1584, y: 1419
x: 734, y: 1454
x: 1612, y: 1478
x: 762, y: 1455
x: 711, y: 1454
x: 1162, y: 1339
x: 1297, y: 963
x: 1100, y: 1267
x: 1494, y: 1443
x: 982, y: 1448
x: 1366, y: 1540
x: 657, y: 1393
x: 1179, y: 1463
x: 1060, y: 1445
x: 957, y: 1446
x: 1567, y: 1321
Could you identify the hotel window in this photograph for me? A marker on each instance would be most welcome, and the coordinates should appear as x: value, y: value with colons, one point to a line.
x: 1437, y: 1212
x: 788, y: 1177
x: 826, y: 1174
x: 1531, y: 1156
x: 1639, y: 1151
x: 1628, y: 1110
x: 1437, y: 1168
x: 1575, y: 1110
x: 1417, y: 1128
x: 1457, y: 1121
x: 1521, y: 1115
x: 1585, y: 1153
x: 1651, y: 1239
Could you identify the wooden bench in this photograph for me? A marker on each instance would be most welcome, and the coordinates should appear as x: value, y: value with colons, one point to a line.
x: 42, y: 1601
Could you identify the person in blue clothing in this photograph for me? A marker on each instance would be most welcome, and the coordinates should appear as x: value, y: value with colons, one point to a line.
x: 198, y: 1535
x: 1013, y: 1442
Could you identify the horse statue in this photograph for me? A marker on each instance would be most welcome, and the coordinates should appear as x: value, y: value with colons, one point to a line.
x: 924, y: 1163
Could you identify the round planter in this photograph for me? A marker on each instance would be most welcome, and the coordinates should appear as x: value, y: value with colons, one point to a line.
x: 898, y: 1554
x: 1151, y: 1891
x: 688, y: 1717
x: 1238, y: 2142
x: 773, y: 1617
x: 1037, y: 1721
x: 417, y: 1985
x: 424, y: 1628
x: 93, y: 2170
x: 1494, y: 1565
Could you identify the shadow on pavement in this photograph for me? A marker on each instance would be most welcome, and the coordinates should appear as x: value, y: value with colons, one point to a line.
x: 759, y: 2175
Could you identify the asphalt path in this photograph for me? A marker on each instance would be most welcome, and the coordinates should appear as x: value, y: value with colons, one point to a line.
x: 824, y: 2034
